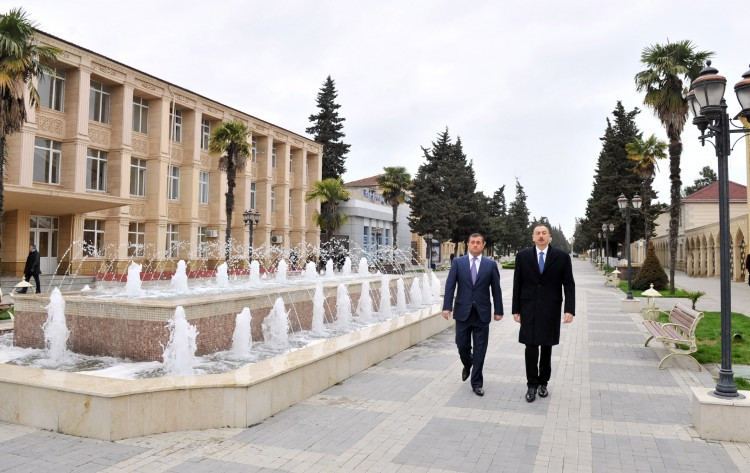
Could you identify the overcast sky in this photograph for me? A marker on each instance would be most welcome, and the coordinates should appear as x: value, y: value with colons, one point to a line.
x: 526, y: 85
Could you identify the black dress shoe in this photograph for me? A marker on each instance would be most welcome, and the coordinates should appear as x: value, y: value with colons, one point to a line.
x: 478, y: 391
x: 531, y: 394
x: 465, y: 373
x: 543, y: 391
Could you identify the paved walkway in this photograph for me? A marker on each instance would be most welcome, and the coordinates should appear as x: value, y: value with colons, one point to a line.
x: 610, y: 410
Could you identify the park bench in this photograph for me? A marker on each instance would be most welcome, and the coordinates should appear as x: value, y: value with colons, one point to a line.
x: 678, y: 335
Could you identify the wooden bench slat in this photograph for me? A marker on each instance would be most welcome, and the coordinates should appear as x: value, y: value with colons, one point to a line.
x: 679, y: 334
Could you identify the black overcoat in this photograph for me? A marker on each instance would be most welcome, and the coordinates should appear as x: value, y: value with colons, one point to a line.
x: 538, y: 297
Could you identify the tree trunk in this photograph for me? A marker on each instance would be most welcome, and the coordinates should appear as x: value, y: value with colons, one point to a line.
x: 645, y: 211
x: 675, y: 150
x: 395, y: 226
x: 231, y: 178
x: 2, y: 189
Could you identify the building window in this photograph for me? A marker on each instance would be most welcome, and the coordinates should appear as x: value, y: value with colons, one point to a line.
x: 366, y: 238
x: 47, y: 154
x: 93, y: 237
x: 388, y: 241
x: 273, y: 200
x: 140, y: 115
x: 273, y: 157
x: 52, y: 89
x: 137, y: 177
x: 205, y: 134
x: 99, y: 102
x: 290, y: 203
x: 173, y: 183
x: 136, y: 239
x: 96, y: 170
x: 290, y: 160
x: 254, y: 150
x: 203, y: 187
x: 202, y: 243
x: 175, y: 125
x: 252, y: 195
x: 172, y: 240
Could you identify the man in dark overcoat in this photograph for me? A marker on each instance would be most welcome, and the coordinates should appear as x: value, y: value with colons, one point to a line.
x: 32, y: 268
x: 542, y: 275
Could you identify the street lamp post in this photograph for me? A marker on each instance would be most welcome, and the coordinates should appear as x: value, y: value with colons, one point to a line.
x: 428, y: 240
x: 599, y: 252
x: 607, y: 229
x: 706, y: 101
x: 625, y: 206
x: 251, y: 218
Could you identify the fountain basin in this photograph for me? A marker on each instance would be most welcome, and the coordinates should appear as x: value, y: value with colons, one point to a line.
x: 114, y: 409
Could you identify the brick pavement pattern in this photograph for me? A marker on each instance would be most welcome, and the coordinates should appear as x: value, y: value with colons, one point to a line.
x: 610, y: 410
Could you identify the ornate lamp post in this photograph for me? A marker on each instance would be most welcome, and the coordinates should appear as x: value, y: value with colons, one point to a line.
x: 599, y: 250
x: 251, y: 218
x: 428, y: 240
x: 624, y: 205
x: 607, y: 228
x: 706, y: 101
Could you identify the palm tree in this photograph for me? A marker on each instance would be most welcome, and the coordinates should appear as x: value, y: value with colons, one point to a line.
x: 668, y: 67
x: 394, y: 185
x: 645, y: 155
x: 230, y: 140
x: 331, y: 193
x: 21, y: 61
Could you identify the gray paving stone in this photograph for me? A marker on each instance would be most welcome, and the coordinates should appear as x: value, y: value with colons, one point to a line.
x: 622, y: 352
x: 209, y: 465
x: 472, y: 447
x: 317, y: 428
x: 384, y: 387
x: 640, y: 407
x: 421, y: 358
x: 657, y: 455
x: 498, y: 396
x: 634, y: 338
x: 609, y: 317
x: 624, y: 374
x: 614, y: 326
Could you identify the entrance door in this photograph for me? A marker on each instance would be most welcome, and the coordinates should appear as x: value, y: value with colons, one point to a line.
x: 43, y: 234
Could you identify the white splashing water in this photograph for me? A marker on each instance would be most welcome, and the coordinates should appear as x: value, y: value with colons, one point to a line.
x: 364, y: 305
x: 329, y: 269
x: 346, y: 270
x: 436, y: 286
x: 343, y: 307
x: 86, y: 288
x: 385, y: 298
x: 311, y: 271
x: 242, y: 338
x: 319, y: 312
x: 400, y: 296
x: 254, y: 272
x: 415, y: 293
x: 276, y: 326
x: 426, y: 289
x: 133, y: 282
x: 179, y: 282
x: 56, y: 331
x: 363, y: 269
x: 222, y: 275
x: 179, y: 354
x: 281, y: 270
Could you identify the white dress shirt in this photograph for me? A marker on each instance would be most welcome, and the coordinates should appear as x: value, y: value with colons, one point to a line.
x: 471, y: 261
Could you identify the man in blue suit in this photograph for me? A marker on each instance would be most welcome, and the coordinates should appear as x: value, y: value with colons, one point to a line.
x: 476, y: 277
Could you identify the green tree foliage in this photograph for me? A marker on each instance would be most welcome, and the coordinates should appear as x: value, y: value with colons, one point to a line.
x: 651, y: 272
x: 331, y: 193
x: 707, y: 176
x: 498, y: 222
x: 394, y: 184
x: 645, y: 155
x: 519, y: 234
x: 327, y: 128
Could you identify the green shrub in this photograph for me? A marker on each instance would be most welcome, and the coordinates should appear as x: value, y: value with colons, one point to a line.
x: 651, y: 272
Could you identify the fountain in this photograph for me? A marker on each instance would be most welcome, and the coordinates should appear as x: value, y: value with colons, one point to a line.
x: 242, y: 338
x: 364, y: 305
x: 222, y: 275
x: 415, y: 292
x: 346, y: 270
x: 254, y: 273
x: 133, y: 282
x: 179, y: 355
x: 281, y: 270
x: 385, y: 311
x: 400, y: 296
x: 55, y: 329
x: 436, y: 286
x: 319, y: 312
x: 426, y: 289
x: 343, y: 307
x: 275, y: 326
x: 311, y: 271
x: 179, y: 282
x: 363, y: 269
x: 329, y: 269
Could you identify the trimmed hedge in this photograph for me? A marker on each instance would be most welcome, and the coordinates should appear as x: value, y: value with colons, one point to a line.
x: 651, y: 272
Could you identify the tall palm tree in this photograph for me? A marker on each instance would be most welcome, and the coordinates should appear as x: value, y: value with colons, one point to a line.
x: 645, y: 155
x: 21, y: 61
x: 668, y: 67
x: 394, y: 184
x: 331, y: 193
x: 230, y: 140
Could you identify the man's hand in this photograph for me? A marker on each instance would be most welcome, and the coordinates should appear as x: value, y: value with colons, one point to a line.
x: 498, y: 317
x: 446, y: 314
x: 567, y: 318
x: 517, y: 318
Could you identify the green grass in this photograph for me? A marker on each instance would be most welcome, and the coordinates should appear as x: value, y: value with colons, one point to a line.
x: 708, y: 335
x: 509, y: 265
x: 742, y: 384
x: 665, y: 293
x: 5, y: 315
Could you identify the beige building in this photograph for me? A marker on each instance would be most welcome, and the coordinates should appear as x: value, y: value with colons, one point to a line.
x: 114, y: 166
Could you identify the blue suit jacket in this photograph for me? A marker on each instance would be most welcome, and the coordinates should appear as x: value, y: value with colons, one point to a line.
x: 473, y: 295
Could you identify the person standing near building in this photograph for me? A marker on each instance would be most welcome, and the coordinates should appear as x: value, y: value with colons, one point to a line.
x: 32, y: 269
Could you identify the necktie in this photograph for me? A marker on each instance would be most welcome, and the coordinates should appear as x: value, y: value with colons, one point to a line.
x: 541, y: 261
x: 474, y: 270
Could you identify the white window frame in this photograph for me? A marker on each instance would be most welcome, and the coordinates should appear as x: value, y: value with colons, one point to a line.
x: 137, y: 177
x: 140, y: 115
x: 51, y: 89
x: 173, y: 238
x: 273, y: 200
x: 136, y: 239
x: 273, y: 157
x: 94, y: 249
x: 202, y: 243
x: 254, y: 149
x: 52, y: 155
x: 205, y: 133
x: 253, y: 195
x: 96, y: 159
x: 175, y: 125
x: 203, y: 187
x: 99, y: 102
x: 290, y: 202
x: 173, y: 182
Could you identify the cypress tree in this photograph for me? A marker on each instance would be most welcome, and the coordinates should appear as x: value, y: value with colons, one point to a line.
x: 326, y: 129
x: 518, y: 220
x: 431, y: 212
